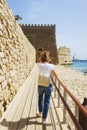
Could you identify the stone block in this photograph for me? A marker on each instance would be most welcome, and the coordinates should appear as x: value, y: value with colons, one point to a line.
x: 4, y: 84
x: 1, y: 54
x: 2, y: 78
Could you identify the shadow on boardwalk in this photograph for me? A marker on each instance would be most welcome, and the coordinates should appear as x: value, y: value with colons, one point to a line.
x: 22, y: 123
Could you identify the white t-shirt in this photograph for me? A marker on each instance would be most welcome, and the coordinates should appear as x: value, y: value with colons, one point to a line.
x: 45, y: 68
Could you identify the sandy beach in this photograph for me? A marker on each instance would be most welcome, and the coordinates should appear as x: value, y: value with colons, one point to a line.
x: 74, y: 80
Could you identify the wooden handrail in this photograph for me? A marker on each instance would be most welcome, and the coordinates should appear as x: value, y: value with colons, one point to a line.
x: 82, y: 108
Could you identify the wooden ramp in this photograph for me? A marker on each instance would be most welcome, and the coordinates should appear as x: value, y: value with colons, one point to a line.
x: 21, y: 113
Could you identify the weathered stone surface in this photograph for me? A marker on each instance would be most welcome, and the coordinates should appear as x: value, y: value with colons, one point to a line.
x: 17, y: 56
x: 2, y: 78
x: 64, y: 55
x: 43, y: 38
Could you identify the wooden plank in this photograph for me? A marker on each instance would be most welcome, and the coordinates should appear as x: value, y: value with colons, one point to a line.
x: 58, y: 127
x: 55, y: 100
x: 20, y: 110
x: 8, y: 115
x: 32, y: 115
x: 49, y: 124
x: 55, y: 120
x: 39, y: 124
x: 16, y: 119
x: 60, y: 114
x: 65, y: 127
x: 25, y: 114
x: 53, y: 109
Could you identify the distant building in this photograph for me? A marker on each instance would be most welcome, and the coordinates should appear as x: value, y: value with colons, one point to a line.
x: 64, y: 55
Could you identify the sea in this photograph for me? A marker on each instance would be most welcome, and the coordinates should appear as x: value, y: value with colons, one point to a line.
x: 80, y: 65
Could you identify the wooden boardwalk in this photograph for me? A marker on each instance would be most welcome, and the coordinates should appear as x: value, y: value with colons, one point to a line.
x: 21, y: 113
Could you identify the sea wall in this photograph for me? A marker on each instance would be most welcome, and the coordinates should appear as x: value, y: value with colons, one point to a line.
x: 17, y: 56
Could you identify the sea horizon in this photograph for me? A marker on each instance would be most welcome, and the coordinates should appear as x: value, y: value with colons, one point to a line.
x: 80, y: 65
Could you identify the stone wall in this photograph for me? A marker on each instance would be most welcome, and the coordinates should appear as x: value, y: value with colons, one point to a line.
x: 17, y: 56
x: 43, y: 38
x: 64, y: 55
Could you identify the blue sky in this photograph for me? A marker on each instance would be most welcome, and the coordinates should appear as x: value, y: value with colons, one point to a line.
x: 70, y: 17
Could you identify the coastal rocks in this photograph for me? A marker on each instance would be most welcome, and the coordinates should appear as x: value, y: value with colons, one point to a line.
x: 74, y: 80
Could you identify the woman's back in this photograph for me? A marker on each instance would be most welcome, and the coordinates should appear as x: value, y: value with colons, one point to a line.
x: 45, y: 68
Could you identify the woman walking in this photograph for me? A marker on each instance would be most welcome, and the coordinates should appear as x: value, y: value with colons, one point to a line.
x: 44, y: 91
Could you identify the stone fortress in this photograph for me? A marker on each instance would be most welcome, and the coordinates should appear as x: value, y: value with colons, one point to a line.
x: 43, y: 38
x: 17, y: 54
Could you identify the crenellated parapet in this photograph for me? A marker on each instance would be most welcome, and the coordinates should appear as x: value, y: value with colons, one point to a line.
x: 38, y: 25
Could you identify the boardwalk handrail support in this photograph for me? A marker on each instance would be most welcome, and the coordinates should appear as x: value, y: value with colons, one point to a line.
x: 66, y: 106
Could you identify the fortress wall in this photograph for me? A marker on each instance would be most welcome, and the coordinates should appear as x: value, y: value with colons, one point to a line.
x: 43, y: 38
x: 17, y: 56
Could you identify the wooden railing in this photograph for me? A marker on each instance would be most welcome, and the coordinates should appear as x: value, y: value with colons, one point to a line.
x: 66, y: 108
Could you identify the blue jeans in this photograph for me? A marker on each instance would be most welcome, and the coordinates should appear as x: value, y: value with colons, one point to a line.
x: 44, y: 94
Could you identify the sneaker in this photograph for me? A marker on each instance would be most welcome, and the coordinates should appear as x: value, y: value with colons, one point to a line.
x: 45, y: 121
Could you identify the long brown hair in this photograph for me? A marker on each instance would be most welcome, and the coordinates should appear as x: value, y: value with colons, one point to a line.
x: 44, y: 57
